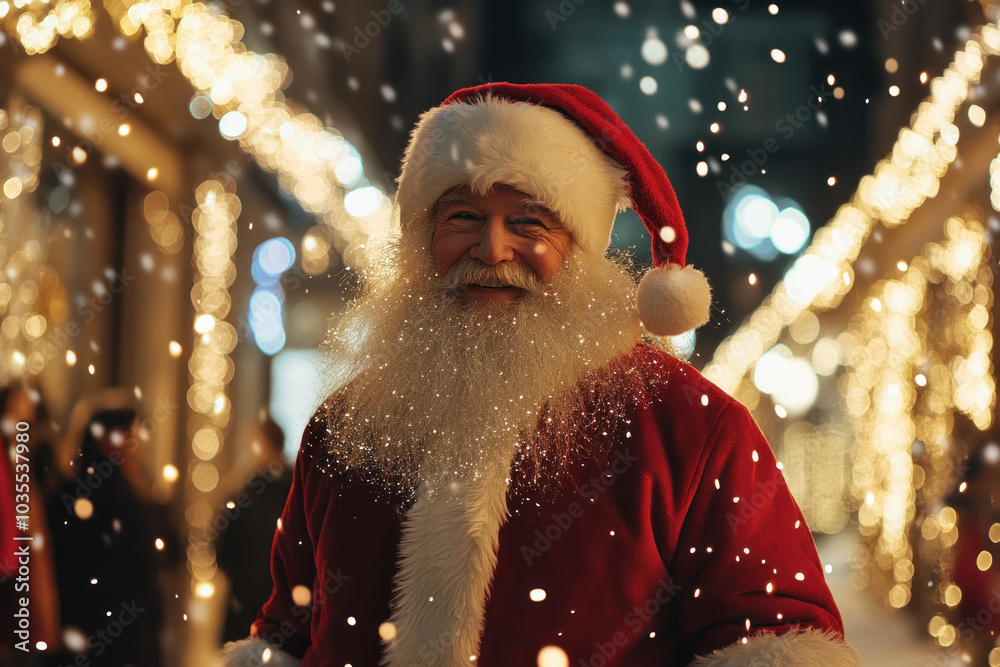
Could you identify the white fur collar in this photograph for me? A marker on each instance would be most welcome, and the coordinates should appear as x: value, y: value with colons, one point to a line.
x: 448, y: 553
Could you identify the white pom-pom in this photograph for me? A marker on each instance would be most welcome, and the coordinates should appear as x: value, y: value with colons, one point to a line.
x: 673, y: 299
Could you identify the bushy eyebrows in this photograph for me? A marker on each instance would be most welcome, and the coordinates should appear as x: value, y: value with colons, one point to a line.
x: 454, y: 198
x: 527, y: 204
x: 536, y: 206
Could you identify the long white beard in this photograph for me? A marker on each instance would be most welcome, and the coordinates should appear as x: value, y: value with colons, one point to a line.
x: 448, y: 388
x: 441, y: 396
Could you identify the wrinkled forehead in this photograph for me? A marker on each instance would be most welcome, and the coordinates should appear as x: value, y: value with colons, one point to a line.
x: 465, y: 195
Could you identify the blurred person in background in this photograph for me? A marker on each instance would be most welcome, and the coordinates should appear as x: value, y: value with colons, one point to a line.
x: 245, y: 525
x: 23, y: 403
x: 26, y: 478
x: 977, y: 504
x: 108, y: 537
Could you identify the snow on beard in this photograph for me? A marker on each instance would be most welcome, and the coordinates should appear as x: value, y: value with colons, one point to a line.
x: 448, y: 386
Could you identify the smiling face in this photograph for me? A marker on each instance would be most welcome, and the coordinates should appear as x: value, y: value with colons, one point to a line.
x: 504, y: 228
x: 506, y: 309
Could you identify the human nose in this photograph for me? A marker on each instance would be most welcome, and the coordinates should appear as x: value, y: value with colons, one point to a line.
x: 494, y: 245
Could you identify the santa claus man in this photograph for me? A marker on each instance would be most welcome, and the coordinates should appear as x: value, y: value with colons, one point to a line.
x: 512, y: 475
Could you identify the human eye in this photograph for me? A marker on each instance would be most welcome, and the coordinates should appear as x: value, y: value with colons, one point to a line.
x: 529, y: 222
x: 462, y: 215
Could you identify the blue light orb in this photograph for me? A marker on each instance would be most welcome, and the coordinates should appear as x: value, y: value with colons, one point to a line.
x: 272, y: 258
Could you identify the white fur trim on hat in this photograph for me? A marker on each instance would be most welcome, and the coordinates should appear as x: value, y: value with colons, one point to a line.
x: 255, y: 652
x: 805, y: 648
x: 532, y: 148
x: 673, y: 299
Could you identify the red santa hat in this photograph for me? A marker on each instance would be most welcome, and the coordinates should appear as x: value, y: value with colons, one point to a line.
x: 563, y: 145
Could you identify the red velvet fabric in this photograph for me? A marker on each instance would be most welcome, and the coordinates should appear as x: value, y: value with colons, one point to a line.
x: 660, y: 551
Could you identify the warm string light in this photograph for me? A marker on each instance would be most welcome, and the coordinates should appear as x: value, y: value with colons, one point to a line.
x: 974, y: 393
x: 164, y: 225
x: 823, y: 274
x: 911, y: 365
x: 31, y: 296
x: 916, y: 354
x: 243, y: 90
x: 38, y: 25
x: 879, y: 398
x: 210, y: 366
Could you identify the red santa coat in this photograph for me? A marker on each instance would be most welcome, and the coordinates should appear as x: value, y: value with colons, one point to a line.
x: 680, y: 541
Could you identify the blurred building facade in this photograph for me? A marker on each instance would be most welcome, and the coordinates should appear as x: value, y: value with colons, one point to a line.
x: 870, y: 366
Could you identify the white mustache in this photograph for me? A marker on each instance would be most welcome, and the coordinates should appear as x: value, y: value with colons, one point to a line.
x: 474, y: 272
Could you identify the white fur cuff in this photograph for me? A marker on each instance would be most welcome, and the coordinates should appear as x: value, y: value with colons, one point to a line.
x: 806, y: 648
x: 255, y: 652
